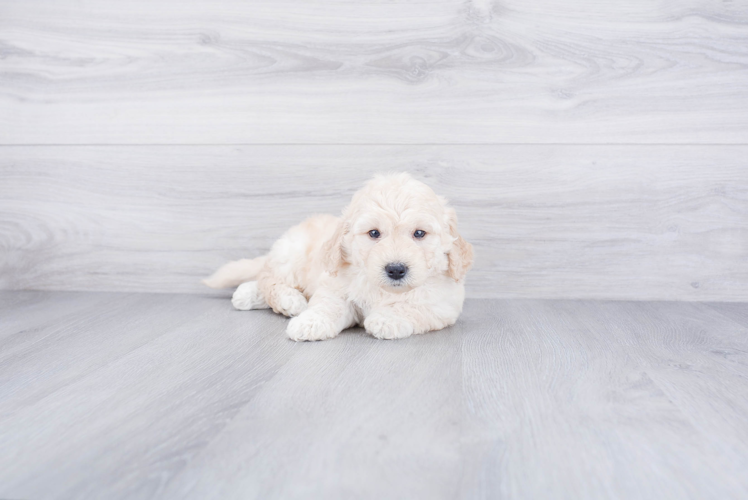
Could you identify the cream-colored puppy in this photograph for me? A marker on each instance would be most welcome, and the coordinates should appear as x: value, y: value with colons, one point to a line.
x: 393, y: 263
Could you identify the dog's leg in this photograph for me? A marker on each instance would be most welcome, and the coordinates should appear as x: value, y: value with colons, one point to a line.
x: 385, y: 323
x: 282, y: 298
x: 248, y: 296
x: 327, y: 315
x: 402, y: 320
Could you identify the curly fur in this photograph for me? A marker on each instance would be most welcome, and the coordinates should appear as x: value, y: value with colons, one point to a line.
x: 328, y: 273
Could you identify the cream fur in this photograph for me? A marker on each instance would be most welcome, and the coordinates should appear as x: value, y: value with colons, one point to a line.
x: 328, y: 274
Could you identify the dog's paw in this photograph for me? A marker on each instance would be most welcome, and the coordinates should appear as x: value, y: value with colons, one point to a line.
x: 311, y: 325
x: 248, y: 296
x: 292, y: 303
x: 388, y: 326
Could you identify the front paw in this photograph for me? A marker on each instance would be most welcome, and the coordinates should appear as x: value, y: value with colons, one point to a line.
x: 291, y: 304
x: 311, y: 325
x: 388, y: 326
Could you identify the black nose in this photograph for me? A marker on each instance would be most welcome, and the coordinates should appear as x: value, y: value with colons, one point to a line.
x: 396, y: 271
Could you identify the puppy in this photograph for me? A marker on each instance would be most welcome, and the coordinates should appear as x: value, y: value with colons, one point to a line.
x: 394, y: 263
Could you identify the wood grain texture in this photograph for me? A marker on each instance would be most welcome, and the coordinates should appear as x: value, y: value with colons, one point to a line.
x: 362, y: 395
x: 737, y: 312
x: 379, y: 71
x: 179, y: 396
x: 623, y: 222
x: 154, y: 377
x: 565, y: 414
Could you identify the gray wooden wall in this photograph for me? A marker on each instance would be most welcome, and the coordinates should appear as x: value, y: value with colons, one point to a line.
x: 592, y: 149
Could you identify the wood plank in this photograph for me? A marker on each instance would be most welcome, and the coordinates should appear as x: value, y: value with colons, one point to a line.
x: 562, y: 403
x: 50, y: 354
x: 379, y: 71
x: 178, y: 396
x: 352, y: 418
x: 699, y: 360
x: 621, y: 222
x: 737, y: 312
x: 26, y: 313
x: 150, y: 385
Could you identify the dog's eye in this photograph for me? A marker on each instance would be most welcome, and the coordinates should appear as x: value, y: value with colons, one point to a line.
x: 374, y: 233
x: 420, y: 233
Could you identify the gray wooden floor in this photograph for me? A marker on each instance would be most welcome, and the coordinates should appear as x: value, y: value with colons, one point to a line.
x: 106, y: 395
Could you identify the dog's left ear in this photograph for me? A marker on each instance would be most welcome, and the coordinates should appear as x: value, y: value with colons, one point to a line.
x: 460, y: 255
x: 333, y: 252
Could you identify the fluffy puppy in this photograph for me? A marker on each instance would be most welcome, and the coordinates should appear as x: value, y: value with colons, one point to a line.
x: 394, y: 263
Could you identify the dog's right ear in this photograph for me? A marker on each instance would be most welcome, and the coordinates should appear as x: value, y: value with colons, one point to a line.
x: 333, y: 251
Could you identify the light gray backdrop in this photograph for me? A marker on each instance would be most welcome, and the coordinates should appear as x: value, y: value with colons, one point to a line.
x: 592, y: 149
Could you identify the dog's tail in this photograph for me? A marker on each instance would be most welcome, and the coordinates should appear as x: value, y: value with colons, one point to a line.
x: 236, y: 272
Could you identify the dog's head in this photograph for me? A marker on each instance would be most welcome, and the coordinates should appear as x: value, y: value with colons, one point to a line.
x: 399, y: 232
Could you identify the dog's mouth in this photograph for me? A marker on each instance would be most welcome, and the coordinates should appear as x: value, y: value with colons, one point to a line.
x: 397, y: 286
